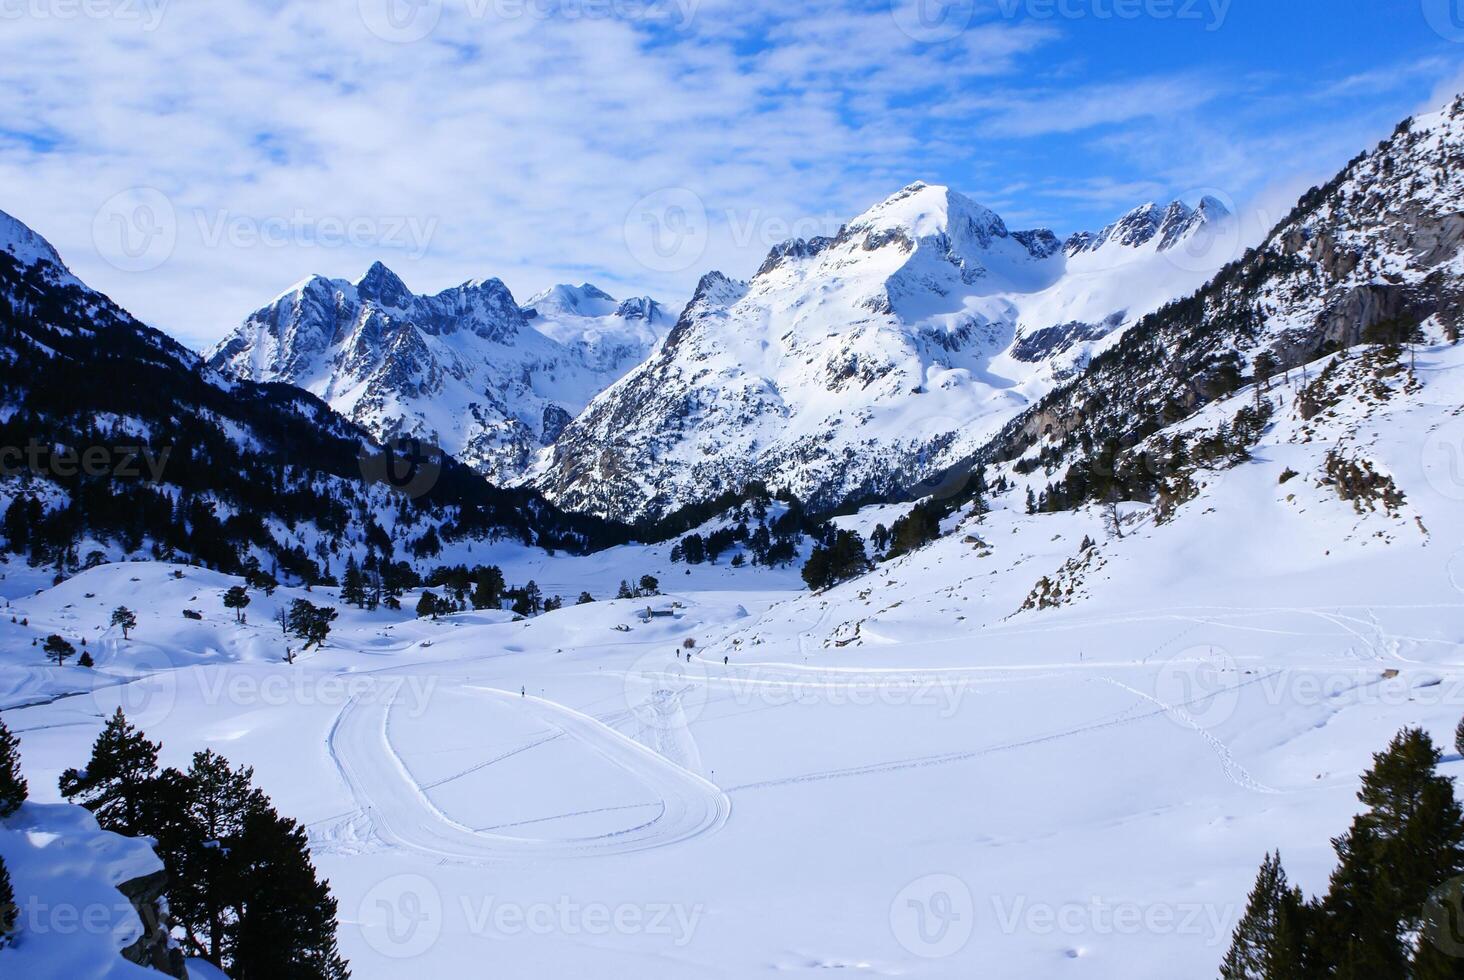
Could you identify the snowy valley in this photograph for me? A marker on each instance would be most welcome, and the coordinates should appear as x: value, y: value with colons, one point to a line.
x: 942, y: 601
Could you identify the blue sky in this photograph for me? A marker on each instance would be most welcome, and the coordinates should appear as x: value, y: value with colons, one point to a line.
x: 193, y: 160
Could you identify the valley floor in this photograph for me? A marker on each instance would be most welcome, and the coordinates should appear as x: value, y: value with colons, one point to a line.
x: 558, y: 798
x: 906, y: 775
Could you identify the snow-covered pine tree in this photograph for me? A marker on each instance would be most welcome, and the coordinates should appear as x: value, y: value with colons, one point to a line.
x: 13, y: 789
x: 117, y: 785
x: 9, y: 911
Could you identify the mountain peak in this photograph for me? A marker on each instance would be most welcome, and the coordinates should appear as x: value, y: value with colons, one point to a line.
x: 921, y: 210
x: 586, y: 299
x: 638, y: 308
x: 384, y: 287
x: 17, y: 238
x: 1169, y: 223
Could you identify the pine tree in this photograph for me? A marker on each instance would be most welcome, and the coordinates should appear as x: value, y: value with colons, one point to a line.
x: 1459, y: 737
x: 428, y: 604
x: 13, y: 790
x: 488, y: 586
x: 584, y: 599
x: 9, y: 911
x: 287, y: 918
x: 17, y: 524
x: 353, y: 585
x: 1440, y: 952
x: 1397, y: 853
x: 1267, y: 943
x: 85, y: 660
x: 58, y: 649
x: 626, y: 592
x: 207, y: 808
x: 124, y: 618
x: 310, y: 622
x: 117, y: 784
x: 243, y: 889
x: 237, y: 599
x: 530, y: 601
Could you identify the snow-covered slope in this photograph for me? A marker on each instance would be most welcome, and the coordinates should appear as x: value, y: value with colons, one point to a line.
x: 858, y: 363
x: 80, y: 891
x: 611, y: 336
x: 1079, y: 790
x: 1348, y: 498
x: 466, y: 368
x: 30, y: 250
x: 194, y: 464
x: 1378, y: 248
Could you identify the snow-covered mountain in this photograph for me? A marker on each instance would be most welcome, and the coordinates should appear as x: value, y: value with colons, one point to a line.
x: 201, y: 466
x: 859, y: 363
x: 466, y: 368
x: 1375, y: 254
x: 610, y: 335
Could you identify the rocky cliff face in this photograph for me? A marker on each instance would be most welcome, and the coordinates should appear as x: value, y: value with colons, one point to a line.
x: 862, y: 362
x: 153, y: 949
x: 466, y: 368
x: 1380, y: 244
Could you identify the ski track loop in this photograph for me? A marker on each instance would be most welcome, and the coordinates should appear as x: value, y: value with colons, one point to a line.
x: 399, y: 813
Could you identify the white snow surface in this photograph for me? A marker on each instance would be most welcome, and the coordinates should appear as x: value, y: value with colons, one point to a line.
x: 892, y: 349
x: 64, y: 870
x: 905, y: 776
x: 29, y: 248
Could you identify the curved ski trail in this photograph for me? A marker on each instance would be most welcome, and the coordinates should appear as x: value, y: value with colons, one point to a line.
x: 401, y: 815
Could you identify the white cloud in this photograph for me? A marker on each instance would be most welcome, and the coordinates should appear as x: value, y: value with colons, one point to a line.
x: 290, y: 139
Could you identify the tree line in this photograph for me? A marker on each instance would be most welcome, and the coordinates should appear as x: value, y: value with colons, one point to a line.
x: 242, y: 891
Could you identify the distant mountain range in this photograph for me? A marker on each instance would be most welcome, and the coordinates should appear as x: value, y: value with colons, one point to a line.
x: 859, y: 363
x: 924, y: 337
x: 237, y: 470
x: 489, y: 381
